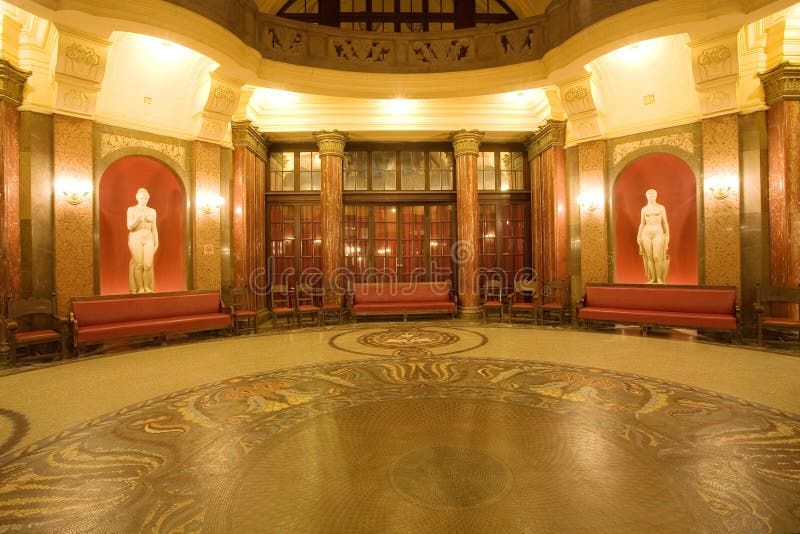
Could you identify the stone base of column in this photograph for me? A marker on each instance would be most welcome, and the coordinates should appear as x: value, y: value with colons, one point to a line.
x: 469, y: 312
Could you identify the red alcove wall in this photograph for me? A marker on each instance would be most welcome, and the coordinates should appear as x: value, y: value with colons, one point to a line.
x: 118, y: 188
x: 674, y: 181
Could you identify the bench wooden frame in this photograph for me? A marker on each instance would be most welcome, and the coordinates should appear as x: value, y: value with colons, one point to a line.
x: 75, y: 324
x: 734, y: 332
x: 767, y: 295
x: 403, y: 308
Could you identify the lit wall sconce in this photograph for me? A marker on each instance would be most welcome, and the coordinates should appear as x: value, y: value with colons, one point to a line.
x: 209, y: 203
x: 590, y: 201
x: 720, y: 187
x: 73, y: 192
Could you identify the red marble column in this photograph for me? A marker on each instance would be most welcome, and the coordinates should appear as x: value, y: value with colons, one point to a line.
x: 248, y: 224
x: 10, y: 253
x: 331, y: 154
x: 466, y: 146
x: 783, y: 137
x: 549, y: 221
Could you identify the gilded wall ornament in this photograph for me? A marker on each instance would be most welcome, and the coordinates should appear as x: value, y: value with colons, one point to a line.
x: 683, y: 141
x: 112, y: 142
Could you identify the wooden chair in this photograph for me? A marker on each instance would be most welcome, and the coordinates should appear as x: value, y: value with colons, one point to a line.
x: 308, y: 303
x: 282, y: 303
x: 333, y: 303
x: 554, y: 304
x: 766, y: 296
x: 524, y: 300
x: 33, y: 323
x: 492, y: 295
x: 245, y: 318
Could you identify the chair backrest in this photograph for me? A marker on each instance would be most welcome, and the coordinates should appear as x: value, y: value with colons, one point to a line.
x: 333, y: 293
x: 556, y: 291
x: 280, y: 296
x: 32, y: 306
x: 493, y: 290
x: 307, y: 294
x: 525, y: 290
x: 241, y: 298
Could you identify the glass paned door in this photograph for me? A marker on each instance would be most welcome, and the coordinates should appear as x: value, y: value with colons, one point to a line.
x: 412, y: 260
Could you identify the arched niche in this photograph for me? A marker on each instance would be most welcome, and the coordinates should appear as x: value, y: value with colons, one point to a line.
x: 676, y: 185
x: 117, y: 191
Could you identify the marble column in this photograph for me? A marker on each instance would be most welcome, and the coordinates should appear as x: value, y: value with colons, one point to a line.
x: 248, y: 237
x: 331, y: 154
x: 10, y: 251
x: 782, y: 91
x: 466, y: 147
x: 549, y: 221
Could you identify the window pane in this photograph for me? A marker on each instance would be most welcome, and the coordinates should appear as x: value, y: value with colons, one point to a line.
x: 309, y: 173
x: 511, y: 170
x: 412, y: 171
x: 355, y: 171
x: 384, y: 173
x: 356, y: 238
x: 282, y: 244
x: 486, y: 175
x: 281, y: 166
x: 441, y: 165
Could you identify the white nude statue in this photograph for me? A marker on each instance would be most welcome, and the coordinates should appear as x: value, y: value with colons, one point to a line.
x: 653, y: 240
x: 143, y: 243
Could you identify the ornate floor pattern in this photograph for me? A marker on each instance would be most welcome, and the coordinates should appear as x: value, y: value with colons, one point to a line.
x: 415, y: 442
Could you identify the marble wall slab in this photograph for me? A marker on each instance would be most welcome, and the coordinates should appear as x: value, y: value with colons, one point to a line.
x: 594, y: 244
x: 207, y: 236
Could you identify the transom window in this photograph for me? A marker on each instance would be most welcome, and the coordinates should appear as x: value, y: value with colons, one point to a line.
x: 398, y: 15
x: 501, y: 171
x: 294, y: 171
x: 398, y: 170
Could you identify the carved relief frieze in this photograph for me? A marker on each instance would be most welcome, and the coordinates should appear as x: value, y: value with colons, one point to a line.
x: 443, y: 51
x: 284, y: 41
x: 362, y: 50
x: 682, y: 141
x: 82, y: 61
x: 715, y: 62
x: 110, y: 143
x: 522, y: 42
x: 781, y: 83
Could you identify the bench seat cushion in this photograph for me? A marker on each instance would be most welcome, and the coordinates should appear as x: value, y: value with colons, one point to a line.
x: 404, y: 307
x: 37, y: 336
x: 101, y: 332
x: 666, y: 318
x: 780, y: 321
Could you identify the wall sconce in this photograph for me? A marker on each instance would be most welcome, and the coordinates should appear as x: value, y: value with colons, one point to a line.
x: 209, y: 203
x: 73, y: 192
x: 720, y: 187
x: 590, y: 201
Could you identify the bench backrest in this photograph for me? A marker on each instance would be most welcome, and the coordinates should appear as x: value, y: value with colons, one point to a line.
x: 401, y: 292
x: 106, y: 310
x: 663, y: 298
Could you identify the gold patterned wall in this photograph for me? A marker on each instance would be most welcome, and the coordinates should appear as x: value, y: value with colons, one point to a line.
x: 594, y: 245
x: 207, y: 236
x: 73, y: 231
x: 721, y: 200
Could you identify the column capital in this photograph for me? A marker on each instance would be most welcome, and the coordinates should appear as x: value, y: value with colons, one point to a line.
x: 466, y: 142
x: 331, y: 142
x: 553, y: 133
x: 12, y: 81
x: 245, y: 135
x: 781, y: 82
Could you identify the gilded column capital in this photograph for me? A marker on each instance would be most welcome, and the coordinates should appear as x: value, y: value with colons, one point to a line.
x: 331, y: 142
x: 245, y: 135
x: 781, y: 82
x: 12, y: 81
x: 466, y: 142
x: 554, y: 133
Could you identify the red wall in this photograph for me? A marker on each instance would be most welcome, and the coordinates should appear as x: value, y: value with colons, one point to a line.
x: 118, y: 188
x: 674, y: 181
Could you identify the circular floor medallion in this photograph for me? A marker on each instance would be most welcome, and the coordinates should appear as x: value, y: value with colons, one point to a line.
x: 408, y: 341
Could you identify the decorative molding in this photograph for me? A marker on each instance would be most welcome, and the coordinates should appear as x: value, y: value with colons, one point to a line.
x: 466, y: 142
x: 361, y: 50
x: 284, y: 42
x: 683, y: 141
x: 554, y: 133
x: 110, y: 143
x: 437, y: 51
x: 523, y: 42
x: 781, y: 82
x: 12, y: 82
x: 331, y: 142
x: 245, y: 135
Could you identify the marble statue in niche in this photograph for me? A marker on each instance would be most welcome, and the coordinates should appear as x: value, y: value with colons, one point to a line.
x: 143, y: 243
x: 653, y: 239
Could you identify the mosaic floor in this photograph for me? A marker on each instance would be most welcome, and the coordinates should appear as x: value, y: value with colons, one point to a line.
x: 412, y: 429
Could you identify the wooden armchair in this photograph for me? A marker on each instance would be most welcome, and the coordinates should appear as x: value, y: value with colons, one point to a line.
x: 308, y: 303
x: 524, y: 300
x: 492, y: 295
x: 554, y: 304
x: 766, y: 297
x: 33, y: 323
x: 282, y: 303
x: 245, y: 318
x: 333, y: 303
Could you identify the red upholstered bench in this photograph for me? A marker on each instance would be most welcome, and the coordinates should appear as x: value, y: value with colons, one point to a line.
x: 99, y: 319
x: 703, y: 307
x: 402, y: 298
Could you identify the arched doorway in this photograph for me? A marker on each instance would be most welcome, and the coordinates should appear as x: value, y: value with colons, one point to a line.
x: 117, y: 192
x: 675, y: 183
